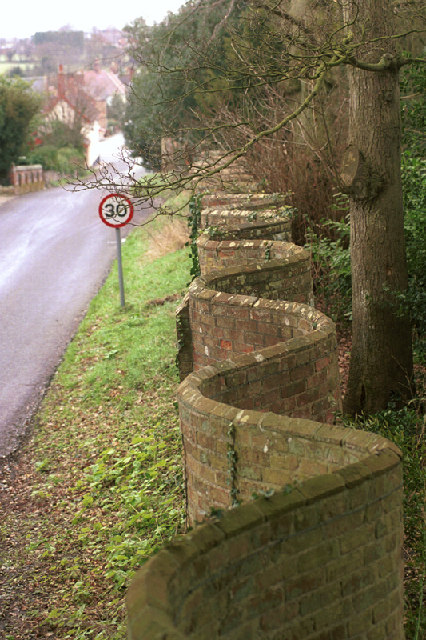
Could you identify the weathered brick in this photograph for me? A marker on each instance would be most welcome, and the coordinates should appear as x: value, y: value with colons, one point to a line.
x: 335, y: 614
x: 274, y: 619
x: 330, y: 548
x: 319, y: 598
x: 360, y: 537
x: 319, y: 554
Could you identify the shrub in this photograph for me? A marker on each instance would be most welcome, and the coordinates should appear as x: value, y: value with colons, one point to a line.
x: 18, y: 106
x: 413, y: 110
x: 298, y: 173
x: 414, y: 191
x: 70, y: 159
x: 331, y: 264
x: 331, y: 257
x: 65, y: 160
x: 46, y: 155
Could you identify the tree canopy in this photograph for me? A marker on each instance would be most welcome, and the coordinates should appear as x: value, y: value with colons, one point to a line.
x: 233, y: 74
x: 184, y: 73
x: 18, y: 105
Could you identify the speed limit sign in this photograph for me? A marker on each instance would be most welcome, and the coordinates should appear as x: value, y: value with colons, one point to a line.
x: 116, y: 210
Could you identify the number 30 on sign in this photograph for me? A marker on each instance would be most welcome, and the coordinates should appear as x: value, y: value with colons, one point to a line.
x: 116, y: 210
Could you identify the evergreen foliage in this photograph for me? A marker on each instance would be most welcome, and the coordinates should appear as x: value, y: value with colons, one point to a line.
x: 194, y: 220
x: 65, y: 159
x: 181, y: 69
x: 73, y: 39
x: 414, y: 191
x: 413, y: 108
x: 331, y: 255
x: 62, y: 147
x: 18, y: 105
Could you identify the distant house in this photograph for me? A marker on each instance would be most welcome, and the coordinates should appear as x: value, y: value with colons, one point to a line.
x: 83, y: 97
x: 72, y: 104
x: 103, y: 85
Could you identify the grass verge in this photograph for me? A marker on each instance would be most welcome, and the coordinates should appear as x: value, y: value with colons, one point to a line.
x: 100, y: 486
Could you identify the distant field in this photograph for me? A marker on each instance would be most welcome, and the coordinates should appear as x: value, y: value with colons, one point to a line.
x: 5, y: 67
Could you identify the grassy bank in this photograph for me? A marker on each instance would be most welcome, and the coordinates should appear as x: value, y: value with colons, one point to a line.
x: 100, y: 485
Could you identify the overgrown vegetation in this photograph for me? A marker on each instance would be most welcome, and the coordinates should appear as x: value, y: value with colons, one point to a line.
x: 413, y: 301
x: 103, y: 478
x: 18, y: 106
x: 60, y: 148
x: 194, y: 220
x: 332, y: 262
x: 413, y: 112
x: 64, y: 160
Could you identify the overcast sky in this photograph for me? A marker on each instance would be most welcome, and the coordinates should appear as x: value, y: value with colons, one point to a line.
x: 22, y: 18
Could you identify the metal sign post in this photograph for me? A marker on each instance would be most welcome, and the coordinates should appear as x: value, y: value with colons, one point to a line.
x: 120, y: 267
x: 116, y: 210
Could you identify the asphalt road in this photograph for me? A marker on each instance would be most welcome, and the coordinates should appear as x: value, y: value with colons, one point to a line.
x: 54, y: 255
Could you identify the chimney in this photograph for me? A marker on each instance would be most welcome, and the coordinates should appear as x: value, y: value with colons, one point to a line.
x: 61, y: 83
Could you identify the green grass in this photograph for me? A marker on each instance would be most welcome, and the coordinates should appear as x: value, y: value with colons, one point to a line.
x: 106, y: 480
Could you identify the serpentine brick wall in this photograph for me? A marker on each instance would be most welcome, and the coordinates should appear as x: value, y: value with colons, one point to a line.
x: 314, y: 550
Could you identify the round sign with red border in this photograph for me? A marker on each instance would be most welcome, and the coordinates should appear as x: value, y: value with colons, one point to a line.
x: 116, y: 210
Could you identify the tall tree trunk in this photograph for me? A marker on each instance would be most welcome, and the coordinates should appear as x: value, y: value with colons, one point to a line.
x: 381, y: 359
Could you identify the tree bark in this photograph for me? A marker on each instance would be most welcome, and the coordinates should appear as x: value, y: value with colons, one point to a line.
x: 381, y: 359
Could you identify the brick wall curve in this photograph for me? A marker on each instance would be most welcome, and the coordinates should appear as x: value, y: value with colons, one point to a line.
x: 227, y: 224
x: 221, y: 253
x: 320, y: 561
x: 314, y: 550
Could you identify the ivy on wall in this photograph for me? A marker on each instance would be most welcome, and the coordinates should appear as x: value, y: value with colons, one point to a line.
x: 194, y: 220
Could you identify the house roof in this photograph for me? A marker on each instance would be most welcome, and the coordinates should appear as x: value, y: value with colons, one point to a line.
x: 87, y: 91
x: 101, y: 84
x: 71, y: 89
